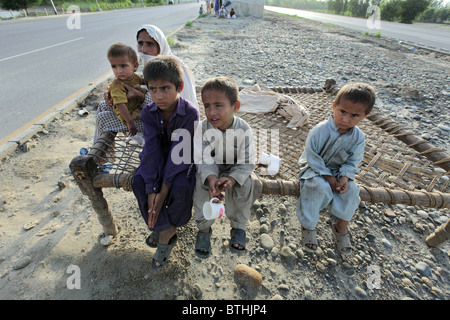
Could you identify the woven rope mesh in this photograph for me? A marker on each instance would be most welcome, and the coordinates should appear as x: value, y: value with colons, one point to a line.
x: 388, y: 162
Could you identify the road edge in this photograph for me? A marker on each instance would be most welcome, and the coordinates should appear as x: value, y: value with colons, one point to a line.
x: 39, y: 123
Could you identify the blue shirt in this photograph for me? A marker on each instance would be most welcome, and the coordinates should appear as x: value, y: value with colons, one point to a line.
x: 167, y: 152
x: 327, y: 152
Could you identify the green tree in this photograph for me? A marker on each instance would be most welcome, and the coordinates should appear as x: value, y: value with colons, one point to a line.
x: 18, y: 4
x: 390, y: 10
x: 411, y: 8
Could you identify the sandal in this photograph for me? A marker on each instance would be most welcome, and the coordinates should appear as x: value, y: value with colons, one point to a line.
x: 203, y: 244
x: 163, y: 252
x: 237, y: 237
x: 309, y: 237
x: 342, y: 241
x: 152, y: 239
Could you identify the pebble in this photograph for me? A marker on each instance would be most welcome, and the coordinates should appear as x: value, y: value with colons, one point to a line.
x: 30, y: 225
x: 287, y: 255
x: 283, y: 287
x: 423, y: 269
x: 308, y: 295
x: 386, y: 243
x: 22, y: 263
x: 360, y: 292
x: 423, y: 214
x: 266, y: 242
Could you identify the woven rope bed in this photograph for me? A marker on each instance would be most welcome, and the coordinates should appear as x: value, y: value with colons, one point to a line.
x: 398, y: 167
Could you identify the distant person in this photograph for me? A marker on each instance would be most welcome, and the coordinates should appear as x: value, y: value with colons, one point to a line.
x: 151, y: 42
x: 163, y: 184
x: 222, y: 13
x: 124, y: 63
x: 329, y: 163
x: 232, y: 14
x: 200, y: 11
x: 229, y: 170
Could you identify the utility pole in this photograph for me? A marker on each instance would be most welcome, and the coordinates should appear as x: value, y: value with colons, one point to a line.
x: 54, y: 8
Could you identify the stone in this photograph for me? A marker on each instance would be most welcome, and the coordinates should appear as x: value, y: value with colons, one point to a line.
x: 386, y: 243
x: 423, y: 269
x: 287, y: 255
x: 22, y: 263
x: 266, y: 242
x: 360, y: 292
x: 308, y: 295
x: 423, y: 214
x: 247, y: 276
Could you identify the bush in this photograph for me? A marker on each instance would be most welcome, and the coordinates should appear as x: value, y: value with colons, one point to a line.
x: 410, y: 9
x: 390, y: 10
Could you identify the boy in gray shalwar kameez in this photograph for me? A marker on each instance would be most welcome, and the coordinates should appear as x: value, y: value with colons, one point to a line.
x: 225, y: 158
x: 328, y: 165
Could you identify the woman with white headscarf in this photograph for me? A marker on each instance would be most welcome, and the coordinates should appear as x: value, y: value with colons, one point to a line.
x: 151, y: 42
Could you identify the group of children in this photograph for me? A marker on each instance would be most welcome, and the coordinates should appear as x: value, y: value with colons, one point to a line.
x: 169, y: 181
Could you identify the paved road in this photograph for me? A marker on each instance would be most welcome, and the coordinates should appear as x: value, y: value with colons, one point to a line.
x: 424, y: 35
x: 43, y: 62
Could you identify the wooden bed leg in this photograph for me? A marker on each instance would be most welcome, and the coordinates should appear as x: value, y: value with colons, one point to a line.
x: 83, y: 170
x: 440, y: 236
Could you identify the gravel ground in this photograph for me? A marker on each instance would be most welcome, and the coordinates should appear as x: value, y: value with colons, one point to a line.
x: 413, y: 87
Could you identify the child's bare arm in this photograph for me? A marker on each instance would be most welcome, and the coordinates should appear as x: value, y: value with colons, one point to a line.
x: 123, y: 109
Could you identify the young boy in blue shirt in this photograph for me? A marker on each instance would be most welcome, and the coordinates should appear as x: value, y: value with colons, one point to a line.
x: 164, y: 182
x: 328, y: 165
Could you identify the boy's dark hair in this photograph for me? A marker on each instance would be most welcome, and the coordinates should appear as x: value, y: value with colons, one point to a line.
x: 163, y: 68
x: 357, y: 92
x: 119, y: 49
x: 224, y: 84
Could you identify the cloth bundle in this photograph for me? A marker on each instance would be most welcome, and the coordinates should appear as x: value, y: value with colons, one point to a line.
x: 261, y: 99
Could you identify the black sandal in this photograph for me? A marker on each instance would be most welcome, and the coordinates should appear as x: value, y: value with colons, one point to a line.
x: 238, y: 236
x: 203, y: 244
x: 163, y: 252
x: 153, y: 236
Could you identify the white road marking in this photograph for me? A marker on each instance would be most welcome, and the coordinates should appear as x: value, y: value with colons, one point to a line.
x: 52, y: 46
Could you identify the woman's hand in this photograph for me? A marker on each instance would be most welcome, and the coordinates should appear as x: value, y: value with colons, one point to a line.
x: 133, y: 93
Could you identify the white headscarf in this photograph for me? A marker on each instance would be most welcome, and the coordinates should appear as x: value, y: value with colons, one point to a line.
x: 188, y: 92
